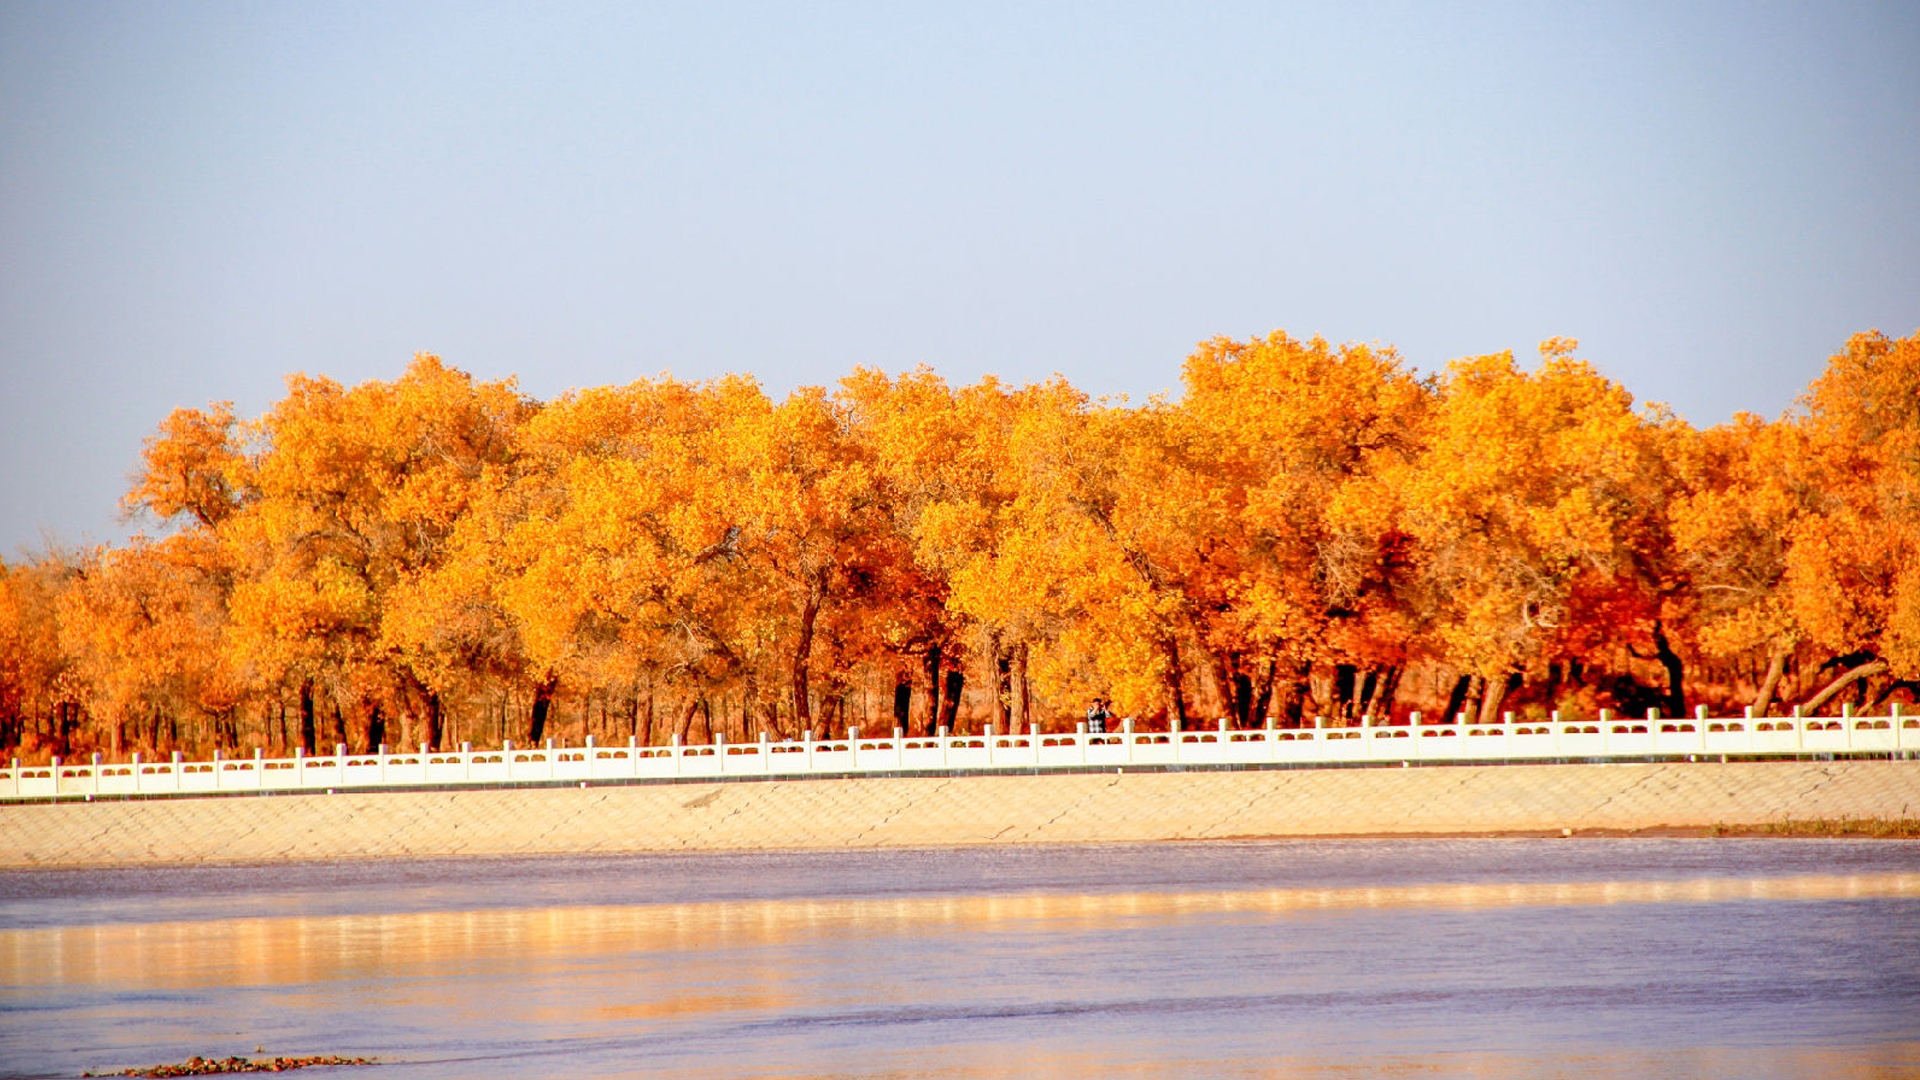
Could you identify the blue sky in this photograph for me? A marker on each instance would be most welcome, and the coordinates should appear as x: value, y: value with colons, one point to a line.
x: 196, y: 199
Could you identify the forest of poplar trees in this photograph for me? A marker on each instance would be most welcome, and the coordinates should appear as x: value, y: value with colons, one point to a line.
x: 1305, y: 531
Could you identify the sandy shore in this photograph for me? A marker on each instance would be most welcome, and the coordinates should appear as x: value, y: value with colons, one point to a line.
x: 936, y: 811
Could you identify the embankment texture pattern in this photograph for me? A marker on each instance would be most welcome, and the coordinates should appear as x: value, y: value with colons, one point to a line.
x: 956, y: 810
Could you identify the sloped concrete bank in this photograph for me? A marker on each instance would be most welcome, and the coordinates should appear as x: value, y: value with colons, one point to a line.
x: 954, y: 810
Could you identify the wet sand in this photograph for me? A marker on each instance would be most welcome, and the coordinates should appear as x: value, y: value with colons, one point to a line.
x: 1738, y: 798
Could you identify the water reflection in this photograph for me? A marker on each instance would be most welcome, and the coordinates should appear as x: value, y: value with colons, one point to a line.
x: 1628, y: 960
x: 265, y: 951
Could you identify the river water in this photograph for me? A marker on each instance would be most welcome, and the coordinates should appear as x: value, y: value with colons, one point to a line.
x: 1336, y: 958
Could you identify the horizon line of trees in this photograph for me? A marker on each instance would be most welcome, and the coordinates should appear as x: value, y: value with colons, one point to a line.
x: 1307, y: 530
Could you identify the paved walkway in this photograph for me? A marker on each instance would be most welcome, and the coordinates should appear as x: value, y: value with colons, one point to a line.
x: 882, y: 812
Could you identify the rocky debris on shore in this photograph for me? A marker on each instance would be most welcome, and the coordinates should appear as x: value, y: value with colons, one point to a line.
x: 199, y: 1066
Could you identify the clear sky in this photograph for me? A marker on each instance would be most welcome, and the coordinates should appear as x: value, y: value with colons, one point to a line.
x: 196, y: 199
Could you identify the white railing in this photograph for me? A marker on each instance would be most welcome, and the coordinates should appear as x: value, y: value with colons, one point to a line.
x: 1607, y: 739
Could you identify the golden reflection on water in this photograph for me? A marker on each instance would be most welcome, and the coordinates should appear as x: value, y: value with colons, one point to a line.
x: 295, y: 950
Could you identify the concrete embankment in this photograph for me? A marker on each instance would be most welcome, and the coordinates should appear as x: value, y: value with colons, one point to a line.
x: 954, y: 810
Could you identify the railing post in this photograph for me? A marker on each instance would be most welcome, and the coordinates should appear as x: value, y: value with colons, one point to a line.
x: 679, y: 767
x: 96, y: 774
x: 259, y: 768
x: 766, y: 753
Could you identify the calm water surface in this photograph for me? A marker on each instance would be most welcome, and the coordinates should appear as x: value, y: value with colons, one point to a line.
x: 1494, y: 958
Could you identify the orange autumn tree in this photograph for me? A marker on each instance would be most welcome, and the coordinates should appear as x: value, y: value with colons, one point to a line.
x: 144, y: 627
x: 1854, y: 568
x: 937, y: 474
x: 1750, y: 486
x: 604, y: 554
x: 437, y: 558
x: 1068, y: 593
x: 40, y: 706
x: 353, y: 491
x: 1525, y: 504
x: 1803, y: 531
x: 815, y: 533
x: 1297, y: 438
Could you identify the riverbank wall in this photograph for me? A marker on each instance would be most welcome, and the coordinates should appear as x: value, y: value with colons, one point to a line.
x: 933, y: 811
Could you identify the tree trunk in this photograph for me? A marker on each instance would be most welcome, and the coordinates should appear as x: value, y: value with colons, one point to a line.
x: 803, y: 658
x: 1022, y: 692
x: 1220, y: 678
x: 1457, y: 699
x: 645, y: 735
x: 950, y: 705
x: 307, y: 733
x: 1776, y: 666
x: 1002, y: 685
x: 1343, y: 679
x: 703, y: 711
x: 1676, y: 670
x: 902, y: 701
x: 1297, y: 693
x: 375, y: 726
x: 1866, y: 670
x: 1496, y: 694
x: 433, y: 720
x: 542, y: 708
x: 1910, y: 685
x: 1263, y: 695
x: 1175, y: 676
x: 1001, y: 671
x: 1389, y: 689
x: 932, y: 663
x: 1492, y: 693
x: 1242, y: 700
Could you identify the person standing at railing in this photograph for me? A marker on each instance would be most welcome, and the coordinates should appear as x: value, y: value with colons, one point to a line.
x: 1097, y: 717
